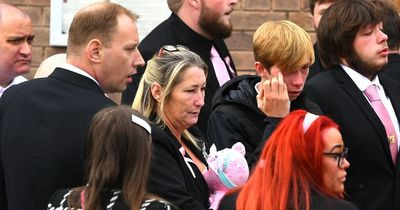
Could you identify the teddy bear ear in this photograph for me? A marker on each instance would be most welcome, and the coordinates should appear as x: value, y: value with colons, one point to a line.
x: 239, y: 147
x: 213, y: 149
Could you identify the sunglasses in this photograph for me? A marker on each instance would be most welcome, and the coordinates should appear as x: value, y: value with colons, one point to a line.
x: 171, y: 49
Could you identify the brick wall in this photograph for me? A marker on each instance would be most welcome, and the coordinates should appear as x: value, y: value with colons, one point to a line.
x: 249, y: 14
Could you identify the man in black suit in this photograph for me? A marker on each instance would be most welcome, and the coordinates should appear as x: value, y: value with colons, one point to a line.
x: 354, y: 48
x: 43, y: 122
x: 391, y: 27
x: 201, y: 25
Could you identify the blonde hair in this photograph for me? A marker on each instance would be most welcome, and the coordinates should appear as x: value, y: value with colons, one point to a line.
x: 284, y: 44
x: 166, y: 70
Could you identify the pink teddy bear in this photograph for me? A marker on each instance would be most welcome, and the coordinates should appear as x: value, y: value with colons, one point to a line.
x: 227, y: 169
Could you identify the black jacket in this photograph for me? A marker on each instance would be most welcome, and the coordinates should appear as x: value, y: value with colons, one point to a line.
x: 43, y: 128
x: 236, y: 117
x: 317, y: 202
x: 170, y: 176
x: 392, y: 69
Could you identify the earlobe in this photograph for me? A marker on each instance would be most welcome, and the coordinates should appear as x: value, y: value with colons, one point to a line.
x: 260, y: 69
x: 156, y: 91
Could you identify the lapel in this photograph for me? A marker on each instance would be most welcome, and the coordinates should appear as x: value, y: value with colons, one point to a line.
x: 75, y: 79
x: 358, y: 97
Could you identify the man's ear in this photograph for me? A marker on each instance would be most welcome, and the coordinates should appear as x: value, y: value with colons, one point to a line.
x: 261, y: 70
x: 156, y: 91
x: 195, y: 4
x: 94, y: 50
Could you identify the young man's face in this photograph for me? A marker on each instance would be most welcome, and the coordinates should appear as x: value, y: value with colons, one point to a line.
x: 370, y: 50
x: 319, y: 10
x: 294, y: 80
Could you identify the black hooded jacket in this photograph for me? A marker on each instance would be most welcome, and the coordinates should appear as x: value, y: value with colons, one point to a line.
x: 236, y: 117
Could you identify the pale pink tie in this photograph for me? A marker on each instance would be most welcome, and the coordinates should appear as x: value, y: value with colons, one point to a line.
x: 219, y: 67
x: 372, y: 94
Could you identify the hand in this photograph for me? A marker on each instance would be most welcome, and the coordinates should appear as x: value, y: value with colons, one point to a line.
x: 273, y: 98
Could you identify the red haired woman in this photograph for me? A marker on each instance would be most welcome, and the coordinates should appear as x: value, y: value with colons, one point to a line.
x: 302, y: 167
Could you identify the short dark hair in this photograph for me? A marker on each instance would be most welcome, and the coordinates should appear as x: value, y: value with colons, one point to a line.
x: 391, y: 23
x: 313, y: 2
x: 338, y: 28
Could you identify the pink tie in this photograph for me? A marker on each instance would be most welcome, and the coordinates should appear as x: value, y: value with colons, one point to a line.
x: 372, y: 95
x: 219, y: 67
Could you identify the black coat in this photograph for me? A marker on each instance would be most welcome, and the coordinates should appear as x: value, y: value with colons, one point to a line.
x: 236, y: 117
x: 392, y: 69
x: 171, y: 178
x: 43, y: 127
x: 317, y: 202
x: 372, y: 181
x: 174, y: 31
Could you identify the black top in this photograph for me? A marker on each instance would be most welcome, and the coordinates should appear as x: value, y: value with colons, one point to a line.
x: 392, y: 69
x: 110, y: 200
x: 174, y: 31
x: 318, y: 202
x: 236, y: 117
x: 174, y: 177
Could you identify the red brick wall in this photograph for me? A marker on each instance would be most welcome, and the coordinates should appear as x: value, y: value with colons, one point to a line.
x: 249, y: 14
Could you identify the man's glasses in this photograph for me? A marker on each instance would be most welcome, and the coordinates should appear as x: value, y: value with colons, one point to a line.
x: 339, y: 156
x: 171, y: 49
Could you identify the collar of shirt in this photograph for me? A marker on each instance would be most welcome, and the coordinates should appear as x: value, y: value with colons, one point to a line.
x: 256, y: 87
x: 78, y: 71
x: 361, y: 81
x: 15, y: 81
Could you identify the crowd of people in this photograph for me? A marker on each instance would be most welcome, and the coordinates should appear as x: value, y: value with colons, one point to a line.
x: 318, y: 122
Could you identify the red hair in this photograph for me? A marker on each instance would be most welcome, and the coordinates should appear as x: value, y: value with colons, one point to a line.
x: 289, y: 168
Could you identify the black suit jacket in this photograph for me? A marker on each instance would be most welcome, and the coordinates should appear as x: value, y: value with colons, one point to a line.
x: 373, y: 182
x: 317, y: 202
x: 392, y: 69
x: 43, y: 127
x: 171, y: 178
x: 174, y: 31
